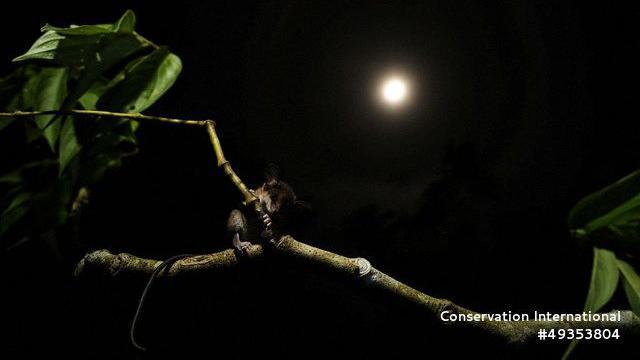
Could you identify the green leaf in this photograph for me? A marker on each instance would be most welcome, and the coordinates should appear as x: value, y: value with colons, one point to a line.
x: 5, y: 121
x: 16, y: 210
x: 604, y: 279
x: 618, y: 229
x: 11, y: 84
x: 603, y: 284
x: 79, y: 29
x: 92, y: 48
x: 27, y: 94
x: 604, y: 200
x: 75, y: 45
x: 90, y: 98
x: 24, y: 98
x: 572, y: 345
x: 12, y: 178
x: 111, y: 50
x: 97, y: 166
x: 47, y: 208
x: 69, y: 146
x: 631, y: 285
x: 105, y: 153
x: 28, y: 172
x: 63, y: 49
x: 34, y: 191
x: 126, y: 23
x: 51, y: 89
x: 11, y: 92
x: 50, y: 205
x: 610, y: 217
x: 142, y: 82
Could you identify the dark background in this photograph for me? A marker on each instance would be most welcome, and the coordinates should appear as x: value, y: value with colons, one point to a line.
x: 520, y: 109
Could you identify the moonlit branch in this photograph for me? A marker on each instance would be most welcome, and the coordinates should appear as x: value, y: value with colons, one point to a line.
x: 355, y: 269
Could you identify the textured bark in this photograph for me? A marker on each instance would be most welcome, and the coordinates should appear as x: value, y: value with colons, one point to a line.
x: 105, y: 263
x: 357, y: 269
x: 224, y: 164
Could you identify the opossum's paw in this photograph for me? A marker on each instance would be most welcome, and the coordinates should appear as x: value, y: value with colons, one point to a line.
x: 241, y: 246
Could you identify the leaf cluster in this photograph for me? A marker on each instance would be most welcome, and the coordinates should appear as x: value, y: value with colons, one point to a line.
x: 609, y: 219
x: 107, y: 67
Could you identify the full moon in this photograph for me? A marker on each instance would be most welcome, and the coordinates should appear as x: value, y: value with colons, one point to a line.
x: 394, y: 91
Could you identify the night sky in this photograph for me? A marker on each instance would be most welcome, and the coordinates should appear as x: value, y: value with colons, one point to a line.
x: 518, y: 109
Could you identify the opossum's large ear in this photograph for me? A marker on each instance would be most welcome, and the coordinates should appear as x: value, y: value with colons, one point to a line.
x: 271, y: 174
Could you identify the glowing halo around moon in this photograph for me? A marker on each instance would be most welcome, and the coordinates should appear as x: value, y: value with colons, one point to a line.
x: 394, y: 91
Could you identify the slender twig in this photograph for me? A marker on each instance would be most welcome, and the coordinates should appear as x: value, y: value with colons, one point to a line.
x: 249, y: 198
x: 109, y: 114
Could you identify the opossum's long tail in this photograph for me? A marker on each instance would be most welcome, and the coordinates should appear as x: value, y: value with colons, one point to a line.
x: 165, y: 264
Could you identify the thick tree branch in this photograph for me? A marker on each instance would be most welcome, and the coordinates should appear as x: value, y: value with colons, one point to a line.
x: 357, y: 269
x: 105, y: 263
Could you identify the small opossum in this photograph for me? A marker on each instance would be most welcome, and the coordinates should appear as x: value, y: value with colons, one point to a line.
x: 282, y: 212
x: 282, y: 209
